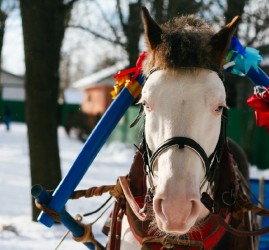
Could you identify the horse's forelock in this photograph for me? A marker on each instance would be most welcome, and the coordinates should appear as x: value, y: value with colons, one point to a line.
x: 185, y: 43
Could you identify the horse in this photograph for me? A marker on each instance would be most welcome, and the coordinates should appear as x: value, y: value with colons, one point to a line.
x: 186, y: 170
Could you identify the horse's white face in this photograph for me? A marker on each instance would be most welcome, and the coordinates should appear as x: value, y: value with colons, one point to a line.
x: 181, y: 104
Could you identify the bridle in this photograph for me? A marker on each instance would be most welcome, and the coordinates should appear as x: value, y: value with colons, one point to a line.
x: 210, y: 163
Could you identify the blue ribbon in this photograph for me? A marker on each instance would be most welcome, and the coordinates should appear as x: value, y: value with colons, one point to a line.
x: 244, y: 58
x: 246, y: 63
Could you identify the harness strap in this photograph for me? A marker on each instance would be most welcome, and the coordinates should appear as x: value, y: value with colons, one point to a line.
x: 131, y: 200
x: 115, y: 230
x: 214, y: 209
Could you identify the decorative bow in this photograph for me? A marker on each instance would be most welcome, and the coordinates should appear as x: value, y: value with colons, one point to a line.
x: 128, y: 76
x: 260, y: 102
x: 240, y: 60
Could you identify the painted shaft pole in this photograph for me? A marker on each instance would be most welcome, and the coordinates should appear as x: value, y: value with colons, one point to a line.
x: 258, y: 77
x: 77, y: 229
x: 91, y: 147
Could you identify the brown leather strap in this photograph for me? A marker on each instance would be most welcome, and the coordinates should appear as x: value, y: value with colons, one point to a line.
x: 237, y: 232
x: 115, y: 230
x: 131, y: 200
x: 214, y: 209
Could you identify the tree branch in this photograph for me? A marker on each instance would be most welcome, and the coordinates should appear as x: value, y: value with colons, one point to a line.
x: 113, y: 29
x: 124, y: 26
x: 96, y: 34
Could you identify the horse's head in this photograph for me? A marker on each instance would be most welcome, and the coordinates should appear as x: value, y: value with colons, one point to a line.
x: 183, y: 98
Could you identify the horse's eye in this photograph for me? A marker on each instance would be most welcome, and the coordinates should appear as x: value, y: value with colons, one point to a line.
x: 219, y: 109
x: 145, y: 105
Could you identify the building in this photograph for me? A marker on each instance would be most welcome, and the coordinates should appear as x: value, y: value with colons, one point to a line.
x: 11, y: 86
x: 12, y: 95
x: 96, y: 98
x: 96, y: 89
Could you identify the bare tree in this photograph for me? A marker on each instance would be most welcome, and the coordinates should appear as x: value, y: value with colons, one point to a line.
x: 44, y: 24
x: 125, y: 32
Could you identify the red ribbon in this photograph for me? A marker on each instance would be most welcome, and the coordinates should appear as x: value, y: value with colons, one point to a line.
x: 260, y: 102
x: 136, y: 71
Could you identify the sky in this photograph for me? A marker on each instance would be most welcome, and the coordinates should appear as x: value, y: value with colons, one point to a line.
x: 13, y: 54
x: 83, y: 49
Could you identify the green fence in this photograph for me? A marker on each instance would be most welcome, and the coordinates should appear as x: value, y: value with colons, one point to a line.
x: 124, y: 133
x: 17, y: 110
x: 65, y: 110
x: 253, y: 139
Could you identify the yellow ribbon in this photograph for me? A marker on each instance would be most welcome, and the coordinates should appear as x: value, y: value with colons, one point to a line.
x: 121, y: 81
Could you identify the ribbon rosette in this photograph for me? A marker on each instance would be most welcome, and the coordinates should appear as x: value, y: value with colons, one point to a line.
x: 260, y: 102
x: 128, y: 77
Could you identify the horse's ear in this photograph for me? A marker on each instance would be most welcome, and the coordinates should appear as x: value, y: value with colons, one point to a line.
x: 221, y: 40
x: 153, y: 31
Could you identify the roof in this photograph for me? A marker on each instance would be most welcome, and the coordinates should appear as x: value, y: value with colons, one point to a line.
x: 102, y: 77
x: 9, y: 79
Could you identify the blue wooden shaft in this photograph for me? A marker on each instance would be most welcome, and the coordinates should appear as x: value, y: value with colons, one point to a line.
x: 258, y: 78
x: 88, y: 153
x: 42, y: 196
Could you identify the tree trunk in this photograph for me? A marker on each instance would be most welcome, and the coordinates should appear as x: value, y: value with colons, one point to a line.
x: 234, y: 8
x: 3, y: 17
x: 158, y: 9
x: 43, y: 23
x: 133, y: 32
x: 240, y: 88
x: 182, y: 7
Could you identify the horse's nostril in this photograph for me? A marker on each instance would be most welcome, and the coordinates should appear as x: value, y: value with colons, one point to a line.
x: 194, y: 207
x: 158, y: 208
x: 175, y: 214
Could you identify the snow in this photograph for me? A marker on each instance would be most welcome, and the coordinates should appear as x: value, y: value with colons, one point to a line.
x: 256, y: 173
x: 17, y: 231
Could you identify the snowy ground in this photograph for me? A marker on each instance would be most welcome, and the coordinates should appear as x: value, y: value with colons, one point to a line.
x: 17, y: 231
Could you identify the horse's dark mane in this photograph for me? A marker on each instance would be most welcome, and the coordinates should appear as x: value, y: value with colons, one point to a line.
x: 185, y: 43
